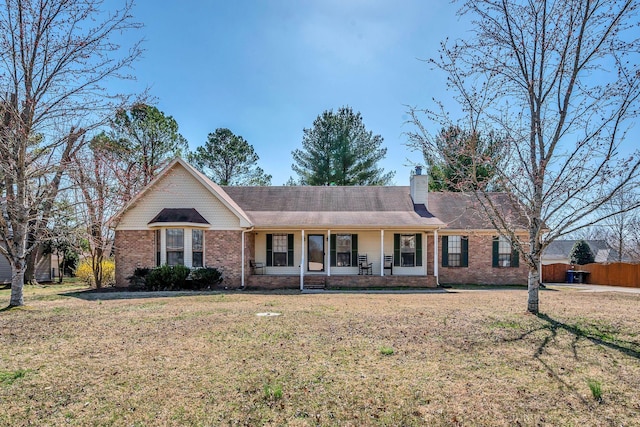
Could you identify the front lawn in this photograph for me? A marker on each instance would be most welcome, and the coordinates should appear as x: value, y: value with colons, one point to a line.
x: 465, y: 358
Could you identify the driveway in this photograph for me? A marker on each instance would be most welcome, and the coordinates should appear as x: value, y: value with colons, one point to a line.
x: 583, y: 287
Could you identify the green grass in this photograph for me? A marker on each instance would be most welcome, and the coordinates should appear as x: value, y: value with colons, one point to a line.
x: 9, y: 377
x: 387, y: 351
x: 596, y: 389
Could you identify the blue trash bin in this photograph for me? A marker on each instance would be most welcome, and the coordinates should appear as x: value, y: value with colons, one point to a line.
x: 570, y: 276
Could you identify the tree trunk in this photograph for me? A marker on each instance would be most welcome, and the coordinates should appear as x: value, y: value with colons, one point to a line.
x: 17, y: 282
x: 533, y: 287
x: 97, y: 258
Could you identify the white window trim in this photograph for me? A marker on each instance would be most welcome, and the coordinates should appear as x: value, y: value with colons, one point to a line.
x: 188, y: 246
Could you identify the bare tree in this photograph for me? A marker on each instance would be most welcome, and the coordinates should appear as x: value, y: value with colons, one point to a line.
x: 94, y: 177
x: 619, y: 222
x: 55, y: 58
x: 561, y: 80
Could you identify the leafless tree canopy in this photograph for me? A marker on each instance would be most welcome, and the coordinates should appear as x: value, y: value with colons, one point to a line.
x: 562, y: 80
x: 55, y: 57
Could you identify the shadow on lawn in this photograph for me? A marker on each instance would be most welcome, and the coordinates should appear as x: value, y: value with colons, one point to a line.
x: 104, y: 295
x: 593, y: 334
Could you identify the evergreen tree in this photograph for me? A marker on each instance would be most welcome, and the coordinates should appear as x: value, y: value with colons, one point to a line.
x: 229, y: 159
x: 581, y: 253
x: 465, y: 160
x: 338, y: 150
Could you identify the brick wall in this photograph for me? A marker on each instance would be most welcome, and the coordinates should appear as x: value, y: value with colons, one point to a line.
x: 133, y: 248
x: 223, y: 250
x: 480, y: 268
x: 346, y: 281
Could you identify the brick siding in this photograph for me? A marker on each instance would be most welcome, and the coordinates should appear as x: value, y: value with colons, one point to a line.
x: 347, y: 281
x: 223, y: 250
x: 480, y: 269
x: 133, y: 248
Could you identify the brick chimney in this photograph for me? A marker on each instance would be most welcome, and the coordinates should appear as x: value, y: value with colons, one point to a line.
x: 419, y: 184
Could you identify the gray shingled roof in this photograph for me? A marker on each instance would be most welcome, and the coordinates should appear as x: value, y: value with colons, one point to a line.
x: 367, y: 206
x: 462, y: 211
x: 600, y: 249
x: 179, y: 215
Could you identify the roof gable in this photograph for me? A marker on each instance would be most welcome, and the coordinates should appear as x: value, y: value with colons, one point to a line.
x: 171, y: 195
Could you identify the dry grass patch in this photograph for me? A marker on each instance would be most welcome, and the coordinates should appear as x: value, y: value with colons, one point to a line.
x: 471, y: 358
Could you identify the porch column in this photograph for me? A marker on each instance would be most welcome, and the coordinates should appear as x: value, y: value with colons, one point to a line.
x: 382, y: 252
x: 302, y: 264
x: 435, y: 253
x: 242, y: 256
x: 328, y: 254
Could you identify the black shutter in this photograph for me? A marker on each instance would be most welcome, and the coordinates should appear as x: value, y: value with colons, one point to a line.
x: 418, y: 249
x: 354, y: 250
x: 515, y: 258
x: 332, y: 250
x: 445, y: 251
x: 396, y: 250
x: 269, y: 250
x: 496, y: 247
x: 464, y: 241
x: 290, y: 250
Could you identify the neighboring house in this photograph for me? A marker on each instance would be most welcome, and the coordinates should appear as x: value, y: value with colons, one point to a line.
x: 43, y: 269
x: 308, y: 236
x: 558, y: 252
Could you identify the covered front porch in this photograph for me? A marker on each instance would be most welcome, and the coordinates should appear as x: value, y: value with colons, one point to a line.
x: 342, y: 258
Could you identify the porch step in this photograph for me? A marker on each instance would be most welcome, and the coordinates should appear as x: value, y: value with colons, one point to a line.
x: 315, y: 282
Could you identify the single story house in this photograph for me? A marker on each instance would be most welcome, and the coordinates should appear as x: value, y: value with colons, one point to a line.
x: 559, y: 252
x: 302, y: 236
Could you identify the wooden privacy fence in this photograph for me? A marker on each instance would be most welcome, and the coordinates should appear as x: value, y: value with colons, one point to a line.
x: 615, y: 274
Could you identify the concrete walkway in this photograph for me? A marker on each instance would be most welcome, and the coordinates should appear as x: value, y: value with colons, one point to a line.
x: 584, y: 287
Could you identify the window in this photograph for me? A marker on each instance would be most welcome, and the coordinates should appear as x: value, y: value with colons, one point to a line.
x: 158, y: 247
x: 197, y: 247
x: 455, y: 251
x: 408, y: 250
x: 175, y: 246
x: 504, y: 252
x: 279, y: 250
x: 343, y: 250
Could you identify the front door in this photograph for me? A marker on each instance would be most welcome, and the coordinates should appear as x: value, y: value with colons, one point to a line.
x: 316, y: 252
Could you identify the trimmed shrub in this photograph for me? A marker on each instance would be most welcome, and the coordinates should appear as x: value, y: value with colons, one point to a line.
x: 167, y: 278
x: 205, y: 278
x: 138, y: 279
x: 84, y: 272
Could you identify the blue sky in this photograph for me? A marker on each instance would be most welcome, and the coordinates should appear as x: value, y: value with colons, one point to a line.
x: 267, y: 69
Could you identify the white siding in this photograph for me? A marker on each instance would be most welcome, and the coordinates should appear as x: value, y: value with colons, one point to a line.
x: 5, y: 270
x: 179, y: 189
x: 43, y: 269
x: 261, y: 253
x: 368, y: 243
x: 406, y: 271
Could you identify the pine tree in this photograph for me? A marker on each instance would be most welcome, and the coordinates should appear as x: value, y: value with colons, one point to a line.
x: 338, y: 150
x: 581, y: 253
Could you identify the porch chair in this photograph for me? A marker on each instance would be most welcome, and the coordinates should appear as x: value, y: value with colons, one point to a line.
x: 256, y: 267
x: 388, y: 264
x: 364, y: 267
